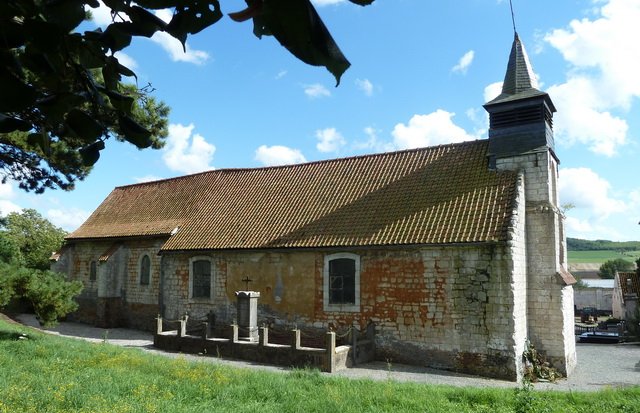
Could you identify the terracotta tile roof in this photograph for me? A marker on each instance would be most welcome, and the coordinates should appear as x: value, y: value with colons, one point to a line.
x: 629, y: 283
x: 435, y: 195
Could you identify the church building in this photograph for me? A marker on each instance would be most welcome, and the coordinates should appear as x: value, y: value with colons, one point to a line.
x: 455, y: 253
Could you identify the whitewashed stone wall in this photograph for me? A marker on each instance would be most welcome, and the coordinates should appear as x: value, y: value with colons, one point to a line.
x: 550, y: 301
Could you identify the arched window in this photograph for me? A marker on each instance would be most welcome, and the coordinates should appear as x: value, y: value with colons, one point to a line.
x: 93, y: 271
x: 145, y: 270
x: 341, y: 282
x: 200, y: 277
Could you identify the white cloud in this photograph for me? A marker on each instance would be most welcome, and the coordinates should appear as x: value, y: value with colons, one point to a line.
x: 278, y: 155
x: 373, y: 142
x: 365, y: 86
x: 586, y: 190
x: 464, y: 63
x: 173, y: 46
x: 7, y: 193
x: 605, y: 61
x: 427, y: 130
x: 102, y: 17
x: 187, y: 154
x: 316, y: 90
x: 579, y: 121
x: 492, y: 91
x: 7, y: 207
x: 69, y: 219
x: 6, y: 190
x: 329, y: 140
x: 321, y: 3
x: 146, y: 178
x: 126, y: 60
x: 281, y: 74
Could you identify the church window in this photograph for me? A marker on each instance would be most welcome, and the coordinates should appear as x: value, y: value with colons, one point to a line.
x: 342, y: 282
x: 93, y: 271
x: 145, y: 270
x: 200, y: 279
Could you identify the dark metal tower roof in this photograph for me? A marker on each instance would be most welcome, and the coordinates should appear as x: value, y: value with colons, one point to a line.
x: 519, y: 82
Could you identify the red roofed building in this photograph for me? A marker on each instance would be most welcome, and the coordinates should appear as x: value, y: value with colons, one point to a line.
x: 456, y: 253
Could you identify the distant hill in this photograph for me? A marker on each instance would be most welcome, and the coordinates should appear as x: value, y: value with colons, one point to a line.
x: 576, y: 244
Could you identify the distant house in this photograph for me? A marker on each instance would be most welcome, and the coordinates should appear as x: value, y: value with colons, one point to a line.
x: 598, y: 294
x: 626, y: 291
x: 456, y: 253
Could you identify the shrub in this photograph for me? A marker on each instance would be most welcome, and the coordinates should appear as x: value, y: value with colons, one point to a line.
x: 51, y: 296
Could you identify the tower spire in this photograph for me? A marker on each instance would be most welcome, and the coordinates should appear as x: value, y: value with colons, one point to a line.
x: 519, y: 79
x: 521, y: 117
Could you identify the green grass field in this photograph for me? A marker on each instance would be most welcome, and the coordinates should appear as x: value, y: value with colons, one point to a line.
x: 598, y: 257
x: 43, y: 373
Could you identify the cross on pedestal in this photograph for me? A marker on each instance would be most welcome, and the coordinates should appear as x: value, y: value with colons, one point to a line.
x: 247, y: 280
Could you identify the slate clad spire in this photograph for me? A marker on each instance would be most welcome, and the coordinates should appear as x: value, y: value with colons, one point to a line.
x: 521, y: 117
x: 519, y: 77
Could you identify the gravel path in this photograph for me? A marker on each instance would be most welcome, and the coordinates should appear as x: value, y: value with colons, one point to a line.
x: 599, y: 366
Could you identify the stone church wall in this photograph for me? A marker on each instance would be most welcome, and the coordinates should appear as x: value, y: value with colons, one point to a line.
x: 115, y: 298
x: 448, y: 307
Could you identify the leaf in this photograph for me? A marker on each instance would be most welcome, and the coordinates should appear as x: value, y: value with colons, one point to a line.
x: 10, y: 124
x: 83, y: 126
x: 144, y: 23
x: 41, y: 140
x: 67, y: 14
x: 135, y: 133
x: 15, y: 95
x: 110, y: 73
x: 192, y: 18
x: 361, y: 2
x: 297, y: 26
x: 91, y: 153
x: 12, y: 34
x: 117, y: 36
x: 56, y: 106
x: 120, y: 101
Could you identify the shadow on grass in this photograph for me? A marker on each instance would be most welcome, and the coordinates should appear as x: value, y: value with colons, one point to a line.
x: 13, y: 336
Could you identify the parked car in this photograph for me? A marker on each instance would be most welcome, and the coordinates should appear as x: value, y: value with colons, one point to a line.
x: 599, y: 337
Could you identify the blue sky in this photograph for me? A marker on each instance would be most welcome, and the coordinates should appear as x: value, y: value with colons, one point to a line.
x: 420, y: 72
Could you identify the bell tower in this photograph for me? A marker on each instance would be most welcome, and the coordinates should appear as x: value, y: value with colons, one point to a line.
x: 521, y: 139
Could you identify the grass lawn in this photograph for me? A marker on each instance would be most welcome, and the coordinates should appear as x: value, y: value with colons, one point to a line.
x: 599, y: 257
x: 43, y: 373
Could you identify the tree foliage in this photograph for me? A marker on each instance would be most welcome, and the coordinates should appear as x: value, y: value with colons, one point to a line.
x: 609, y: 268
x: 28, y: 239
x: 576, y: 244
x: 26, y: 242
x: 51, y: 296
x: 62, y: 95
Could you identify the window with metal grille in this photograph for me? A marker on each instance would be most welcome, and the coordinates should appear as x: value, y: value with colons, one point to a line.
x: 145, y: 270
x: 342, y: 281
x: 201, y: 281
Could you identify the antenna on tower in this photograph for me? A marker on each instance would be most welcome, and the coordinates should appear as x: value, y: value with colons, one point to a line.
x: 513, y: 17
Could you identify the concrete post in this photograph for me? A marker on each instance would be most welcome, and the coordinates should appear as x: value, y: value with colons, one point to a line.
x: 330, y: 356
x: 183, y: 326
x: 205, y: 331
x: 234, y: 333
x: 158, y: 325
x: 295, y: 339
x: 264, y: 336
